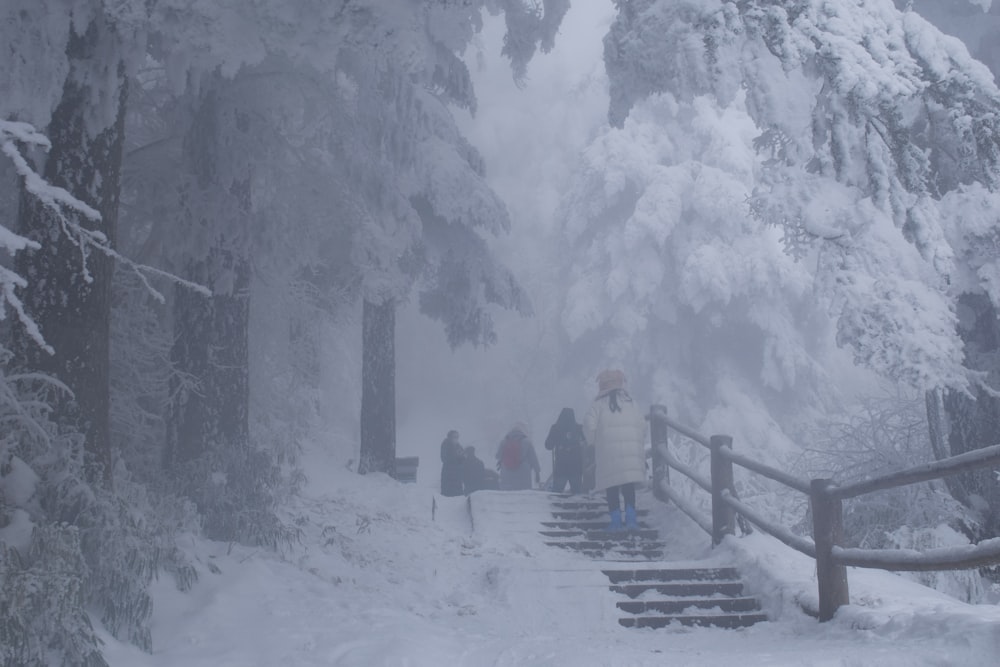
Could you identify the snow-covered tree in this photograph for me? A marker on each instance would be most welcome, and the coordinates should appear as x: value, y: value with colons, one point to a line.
x: 68, y: 276
x: 975, y: 22
x: 312, y: 141
x: 959, y: 422
x: 877, y: 143
x: 672, y: 279
x: 428, y: 227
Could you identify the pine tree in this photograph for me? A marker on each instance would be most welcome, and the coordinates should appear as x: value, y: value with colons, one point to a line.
x: 878, y: 142
x: 69, y: 274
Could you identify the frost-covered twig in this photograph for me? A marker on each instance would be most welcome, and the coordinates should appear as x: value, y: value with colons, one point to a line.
x: 53, y: 197
x: 17, y: 408
x: 58, y: 200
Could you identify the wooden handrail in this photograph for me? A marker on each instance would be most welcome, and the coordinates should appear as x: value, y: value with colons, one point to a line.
x: 826, y: 500
x: 953, y: 465
x: 962, y: 557
x: 688, y: 472
x: 767, y: 471
x: 660, y: 412
x: 689, y: 509
x: 800, y: 544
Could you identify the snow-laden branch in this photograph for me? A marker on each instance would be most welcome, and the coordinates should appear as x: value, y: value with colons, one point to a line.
x: 58, y: 201
x: 15, y: 408
x: 8, y: 281
x: 53, y: 197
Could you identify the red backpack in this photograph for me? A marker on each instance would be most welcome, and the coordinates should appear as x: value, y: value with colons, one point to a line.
x: 510, y: 453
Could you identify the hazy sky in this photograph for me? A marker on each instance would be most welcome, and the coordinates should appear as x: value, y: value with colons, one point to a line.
x: 529, y: 138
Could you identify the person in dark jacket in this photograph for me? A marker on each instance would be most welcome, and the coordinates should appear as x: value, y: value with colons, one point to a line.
x: 473, y: 471
x: 452, y: 459
x: 566, y: 442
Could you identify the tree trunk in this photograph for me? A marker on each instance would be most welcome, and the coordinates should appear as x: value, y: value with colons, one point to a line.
x: 69, y: 284
x: 304, y: 332
x: 974, y: 424
x: 378, y: 388
x: 210, y: 386
x: 211, y: 362
x: 936, y: 423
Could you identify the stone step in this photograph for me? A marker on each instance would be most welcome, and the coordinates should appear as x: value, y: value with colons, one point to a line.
x: 678, y: 606
x: 587, y: 515
x: 673, y: 574
x: 608, y: 545
x: 716, y: 620
x: 624, y: 555
x: 690, y: 588
x: 599, y: 525
x: 562, y: 533
x: 590, y: 505
x: 623, y: 535
x: 643, y: 533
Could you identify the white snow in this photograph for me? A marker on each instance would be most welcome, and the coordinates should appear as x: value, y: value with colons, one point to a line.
x: 378, y: 580
x: 17, y: 533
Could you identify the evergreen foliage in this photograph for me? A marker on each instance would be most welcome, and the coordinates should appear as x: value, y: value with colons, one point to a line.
x: 66, y: 544
x: 860, y: 142
x: 266, y: 146
x: 43, y: 619
x: 875, y: 133
x: 237, y: 494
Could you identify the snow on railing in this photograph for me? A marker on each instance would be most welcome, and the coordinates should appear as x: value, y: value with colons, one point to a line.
x: 826, y: 501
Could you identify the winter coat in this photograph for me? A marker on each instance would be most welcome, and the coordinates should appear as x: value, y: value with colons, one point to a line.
x: 619, y: 439
x: 566, y: 441
x: 516, y: 479
x: 474, y: 473
x: 452, y: 458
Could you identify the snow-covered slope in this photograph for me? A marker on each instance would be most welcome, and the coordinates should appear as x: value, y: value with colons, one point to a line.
x: 391, y: 574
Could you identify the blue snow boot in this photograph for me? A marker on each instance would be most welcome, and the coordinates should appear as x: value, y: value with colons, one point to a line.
x: 616, y: 522
x: 630, y: 523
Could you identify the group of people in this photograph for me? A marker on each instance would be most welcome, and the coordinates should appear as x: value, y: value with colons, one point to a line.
x: 607, y: 451
x: 462, y: 472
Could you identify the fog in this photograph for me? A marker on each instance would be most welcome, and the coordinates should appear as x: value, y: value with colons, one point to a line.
x: 529, y: 136
x: 217, y: 219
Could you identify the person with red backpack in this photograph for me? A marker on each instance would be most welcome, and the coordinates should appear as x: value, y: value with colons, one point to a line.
x: 516, y: 460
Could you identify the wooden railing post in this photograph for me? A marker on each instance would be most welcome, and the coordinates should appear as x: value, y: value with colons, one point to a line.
x: 723, y: 516
x: 828, y: 532
x: 658, y: 440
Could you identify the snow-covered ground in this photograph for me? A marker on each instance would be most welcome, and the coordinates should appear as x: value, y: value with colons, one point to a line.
x: 393, y: 574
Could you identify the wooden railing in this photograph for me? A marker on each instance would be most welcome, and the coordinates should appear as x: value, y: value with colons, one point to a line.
x: 826, y: 500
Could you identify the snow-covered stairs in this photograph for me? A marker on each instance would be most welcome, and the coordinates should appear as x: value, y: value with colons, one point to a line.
x: 688, y: 596
x: 656, y: 595
x: 580, y: 524
x: 634, y: 578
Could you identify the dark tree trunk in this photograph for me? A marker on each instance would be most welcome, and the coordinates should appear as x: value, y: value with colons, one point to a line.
x: 937, y: 421
x: 211, y: 362
x: 304, y: 331
x: 378, y: 388
x: 974, y: 424
x: 69, y: 297
x: 209, y: 411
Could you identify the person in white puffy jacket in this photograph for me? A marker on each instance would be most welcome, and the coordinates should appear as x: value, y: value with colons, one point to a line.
x: 616, y: 428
